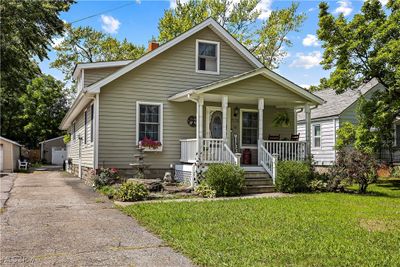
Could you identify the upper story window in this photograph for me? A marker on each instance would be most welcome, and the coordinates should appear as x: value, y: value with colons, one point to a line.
x: 149, y: 121
x: 207, y: 57
x: 317, y: 135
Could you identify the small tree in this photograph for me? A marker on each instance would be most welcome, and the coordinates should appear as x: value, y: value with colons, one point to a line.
x: 356, y: 166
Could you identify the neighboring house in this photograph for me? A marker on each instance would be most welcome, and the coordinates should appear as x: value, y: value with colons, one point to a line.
x: 53, y: 151
x: 200, y: 92
x: 10, y: 152
x: 327, y: 118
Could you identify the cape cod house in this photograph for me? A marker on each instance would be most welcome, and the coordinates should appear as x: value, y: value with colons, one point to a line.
x: 200, y: 92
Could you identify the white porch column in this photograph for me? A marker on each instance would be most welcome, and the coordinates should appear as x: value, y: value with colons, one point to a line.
x: 199, y: 123
x: 260, y: 127
x: 307, y: 113
x: 224, y: 116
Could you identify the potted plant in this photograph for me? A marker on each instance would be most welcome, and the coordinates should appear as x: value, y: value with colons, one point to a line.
x: 281, y: 119
x: 148, y: 144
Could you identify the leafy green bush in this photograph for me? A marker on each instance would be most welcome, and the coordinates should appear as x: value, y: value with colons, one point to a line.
x: 105, y: 176
x: 318, y: 186
x: 225, y: 179
x: 396, y: 172
x: 132, y: 191
x: 107, y: 190
x: 293, y: 176
x: 205, y: 190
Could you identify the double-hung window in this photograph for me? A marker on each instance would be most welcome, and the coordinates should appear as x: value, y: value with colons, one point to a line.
x: 149, y: 118
x: 249, y: 122
x: 207, y: 57
x: 317, y: 135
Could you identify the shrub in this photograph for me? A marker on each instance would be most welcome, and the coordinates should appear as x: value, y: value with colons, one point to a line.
x: 105, y: 176
x: 396, y: 172
x: 132, y: 191
x: 293, y: 176
x: 205, y: 190
x: 355, y: 166
x: 225, y: 179
x: 108, y: 191
x: 318, y: 186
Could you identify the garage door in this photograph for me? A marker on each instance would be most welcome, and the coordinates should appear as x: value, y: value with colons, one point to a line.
x: 58, y: 155
x: 1, y: 157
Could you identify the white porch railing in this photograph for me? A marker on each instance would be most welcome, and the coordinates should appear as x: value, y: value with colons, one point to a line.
x: 287, y: 150
x: 188, y: 150
x: 212, y: 150
x: 268, y: 162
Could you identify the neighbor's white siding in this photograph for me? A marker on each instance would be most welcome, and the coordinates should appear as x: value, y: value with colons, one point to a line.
x: 325, y: 154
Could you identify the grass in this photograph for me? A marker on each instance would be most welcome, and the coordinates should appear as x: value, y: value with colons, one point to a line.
x: 326, y: 229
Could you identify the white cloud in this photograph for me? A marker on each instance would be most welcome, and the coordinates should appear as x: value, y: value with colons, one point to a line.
x: 109, y: 24
x: 384, y: 2
x: 305, y: 85
x: 311, y: 9
x: 311, y: 40
x: 344, y: 7
x: 264, y: 6
x: 172, y: 3
x: 307, y: 61
x: 57, y: 41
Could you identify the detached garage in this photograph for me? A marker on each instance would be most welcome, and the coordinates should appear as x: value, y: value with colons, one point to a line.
x: 53, y: 151
x: 10, y: 153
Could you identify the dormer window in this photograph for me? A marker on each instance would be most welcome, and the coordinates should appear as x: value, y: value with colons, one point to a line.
x: 207, y: 55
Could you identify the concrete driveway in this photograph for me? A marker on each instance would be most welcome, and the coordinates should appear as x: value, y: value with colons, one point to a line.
x: 52, y: 218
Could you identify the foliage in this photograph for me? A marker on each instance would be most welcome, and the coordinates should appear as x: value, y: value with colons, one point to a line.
x: 107, y: 190
x: 325, y: 229
x: 149, y: 143
x: 225, y: 179
x: 346, y: 135
x: 105, y: 176
x: 357, y: 50
x: 205, y: 190
x: 42, y: 107
x: 27, y: 30
x: 67, y: 138
x: 396, y: 171
x: 281, y: 119
x: 85, y: 44
x: 318, y: 186
x: 293, y: 176
x: 132, y: 191
x: 266, y: 40
x: 355, y: 166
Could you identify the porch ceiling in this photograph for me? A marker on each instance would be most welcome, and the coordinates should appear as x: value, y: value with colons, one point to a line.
x: 248, y: 87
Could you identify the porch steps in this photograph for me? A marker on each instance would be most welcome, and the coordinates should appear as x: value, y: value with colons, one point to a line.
x: 258, y: 182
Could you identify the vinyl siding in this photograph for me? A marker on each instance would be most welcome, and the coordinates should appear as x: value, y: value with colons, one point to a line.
x: 159, y: 78
x: 11, y: 154
x: 86, y: 149
x: 326, y: 154
x: 93, y: 75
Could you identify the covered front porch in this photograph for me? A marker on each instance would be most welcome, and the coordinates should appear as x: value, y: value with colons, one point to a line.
x: 236, y: 123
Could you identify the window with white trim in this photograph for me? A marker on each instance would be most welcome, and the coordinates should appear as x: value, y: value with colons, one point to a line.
x: 149, y: 121
x: 317, y: 135
x: 85, y: 133
x: 249, y: 122
x: 207, y: 56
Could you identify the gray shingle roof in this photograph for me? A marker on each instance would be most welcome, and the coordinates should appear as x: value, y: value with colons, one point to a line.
x: 336, y: 104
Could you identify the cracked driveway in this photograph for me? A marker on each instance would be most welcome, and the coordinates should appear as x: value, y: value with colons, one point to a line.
x: 52, y: 218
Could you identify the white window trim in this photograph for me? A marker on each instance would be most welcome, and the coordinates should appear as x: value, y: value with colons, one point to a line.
x: 314, y: 136
x: 241, y: 128
x: 138, y: 103
x: 197, y: 57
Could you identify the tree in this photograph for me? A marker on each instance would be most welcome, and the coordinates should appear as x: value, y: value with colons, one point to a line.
x: 27, y: 28
x: 43, y: 106
x: 357, y: 50
x: 265, y: 40
x: 85, y: 44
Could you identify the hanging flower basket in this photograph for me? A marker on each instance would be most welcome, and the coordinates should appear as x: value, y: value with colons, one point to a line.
x: 149, y: 144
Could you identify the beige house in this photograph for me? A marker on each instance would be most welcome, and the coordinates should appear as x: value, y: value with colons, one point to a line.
x: 10, y: 152
x: 202, y: 96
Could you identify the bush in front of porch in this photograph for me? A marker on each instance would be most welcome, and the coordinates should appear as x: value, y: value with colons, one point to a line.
x: 293, y: 176
x: 226, y: 179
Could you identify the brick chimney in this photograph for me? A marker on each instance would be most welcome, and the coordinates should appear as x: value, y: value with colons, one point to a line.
x: 152, y: 45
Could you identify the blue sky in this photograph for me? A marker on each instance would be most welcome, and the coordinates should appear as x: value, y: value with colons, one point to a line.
x: 137, y: 21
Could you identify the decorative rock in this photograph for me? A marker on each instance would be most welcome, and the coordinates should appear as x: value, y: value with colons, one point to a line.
x: 168, y: 178
x: 153, y: 185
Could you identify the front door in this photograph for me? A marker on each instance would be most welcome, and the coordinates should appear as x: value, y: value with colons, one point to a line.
x: 214, y: 123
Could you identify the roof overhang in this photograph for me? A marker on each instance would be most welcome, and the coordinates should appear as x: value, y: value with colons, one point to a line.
x: 98, y: 65
x: 218, y: 29
x: 308, y: 96
x: 81, y: 101
x: 9, y: 141
x: 52, y: 139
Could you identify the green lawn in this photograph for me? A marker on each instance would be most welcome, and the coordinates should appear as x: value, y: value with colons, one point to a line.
x: 324, y: 229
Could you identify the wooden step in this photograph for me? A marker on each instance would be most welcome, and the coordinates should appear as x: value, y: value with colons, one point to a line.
x: 259, y: 189
x: 258, y: 181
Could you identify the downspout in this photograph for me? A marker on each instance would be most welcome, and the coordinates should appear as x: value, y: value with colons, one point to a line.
x: 95, y: 143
